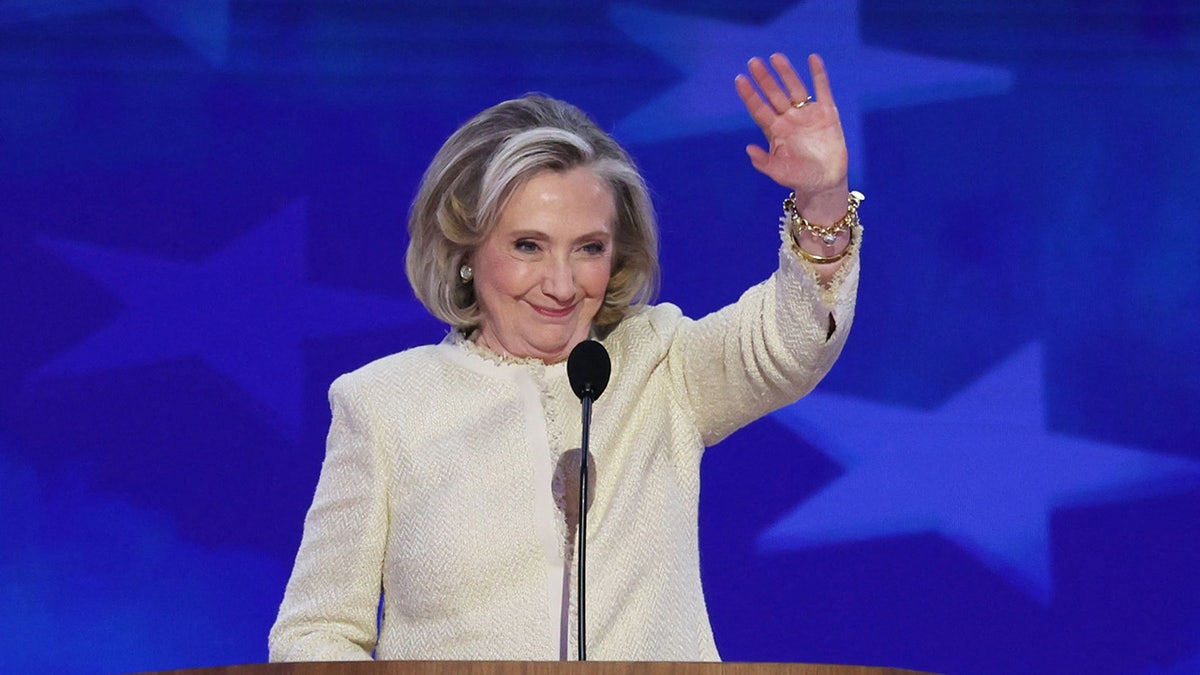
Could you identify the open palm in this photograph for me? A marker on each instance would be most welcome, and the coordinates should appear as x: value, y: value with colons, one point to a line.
x: 806, y: 147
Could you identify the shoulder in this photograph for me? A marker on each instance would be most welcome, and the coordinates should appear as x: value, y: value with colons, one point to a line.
x: 387, y: 373
x: 647, y: 333
x: 648, y: 321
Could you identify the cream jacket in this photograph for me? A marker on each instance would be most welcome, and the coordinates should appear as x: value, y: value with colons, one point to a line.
x: 441, y: 486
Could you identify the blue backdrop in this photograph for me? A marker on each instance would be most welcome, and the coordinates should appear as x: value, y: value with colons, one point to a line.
x: 202, y: 208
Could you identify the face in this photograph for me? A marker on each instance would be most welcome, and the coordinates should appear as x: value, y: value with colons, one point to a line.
x: 541, y: 273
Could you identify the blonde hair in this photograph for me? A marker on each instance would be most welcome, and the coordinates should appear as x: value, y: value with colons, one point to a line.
x: 471, y: 178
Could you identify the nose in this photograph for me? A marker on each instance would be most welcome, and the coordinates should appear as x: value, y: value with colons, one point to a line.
x: 558, y: 282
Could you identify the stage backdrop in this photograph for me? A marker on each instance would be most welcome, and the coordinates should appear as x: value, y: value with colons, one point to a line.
x: 202, y: 206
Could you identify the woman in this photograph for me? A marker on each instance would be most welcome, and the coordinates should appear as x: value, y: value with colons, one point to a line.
x: 442, y: 484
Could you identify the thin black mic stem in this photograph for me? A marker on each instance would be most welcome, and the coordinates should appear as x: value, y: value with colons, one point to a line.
x: 583, y: 500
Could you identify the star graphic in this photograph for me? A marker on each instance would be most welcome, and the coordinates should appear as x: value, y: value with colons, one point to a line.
x: 202, y: 25
x: 245, y: 311
x: 710, y: 53
x: 982, y: 471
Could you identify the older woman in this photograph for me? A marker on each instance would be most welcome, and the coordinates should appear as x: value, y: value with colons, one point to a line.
x: 442, y: 485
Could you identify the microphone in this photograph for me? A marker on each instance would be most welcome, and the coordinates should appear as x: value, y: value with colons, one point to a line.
x: 588, y: 369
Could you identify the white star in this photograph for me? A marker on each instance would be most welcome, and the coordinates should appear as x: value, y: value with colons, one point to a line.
x: 710, y: 53
x: 982, y: 471
x: 245, y: 311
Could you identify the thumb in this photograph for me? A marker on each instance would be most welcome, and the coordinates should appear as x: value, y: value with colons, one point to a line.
x: 758, y: 157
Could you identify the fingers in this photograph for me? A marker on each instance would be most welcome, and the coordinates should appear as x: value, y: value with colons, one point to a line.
x: 764, y: 97
x: 779, y: 99
x: 760, y: 159
x: 761, y: 112
x: 797, y: 92
x: 820, y: 79
x: 769, y: 86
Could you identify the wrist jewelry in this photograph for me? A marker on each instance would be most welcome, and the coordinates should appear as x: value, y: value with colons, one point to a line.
x: 796, y: 225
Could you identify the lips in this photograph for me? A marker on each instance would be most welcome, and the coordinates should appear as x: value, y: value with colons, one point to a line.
x: 554, y: 313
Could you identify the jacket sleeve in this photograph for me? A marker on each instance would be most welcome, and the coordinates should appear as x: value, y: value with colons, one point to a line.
x: 330, y: 608
x: 766, y: 350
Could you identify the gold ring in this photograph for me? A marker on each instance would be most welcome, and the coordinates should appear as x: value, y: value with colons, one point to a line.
x: 803, y: 103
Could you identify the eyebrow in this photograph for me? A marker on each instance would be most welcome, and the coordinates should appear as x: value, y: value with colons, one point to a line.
x: 539, y: 234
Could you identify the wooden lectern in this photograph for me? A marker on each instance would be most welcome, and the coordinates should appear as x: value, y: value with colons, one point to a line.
x: 539, y: 668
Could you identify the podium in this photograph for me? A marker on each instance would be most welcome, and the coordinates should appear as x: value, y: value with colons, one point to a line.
x: 539, y: 668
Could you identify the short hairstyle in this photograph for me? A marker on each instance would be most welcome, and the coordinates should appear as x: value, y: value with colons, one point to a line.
x: 481, y: 165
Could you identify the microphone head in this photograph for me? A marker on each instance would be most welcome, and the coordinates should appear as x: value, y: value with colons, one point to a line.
x: 588, y: 368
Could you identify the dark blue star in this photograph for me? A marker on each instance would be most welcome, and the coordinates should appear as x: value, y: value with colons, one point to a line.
x: 75, y: 541
x: 710, y: 53
x: 202, y: 25
x: 982, y: 470
x: 245, y: 311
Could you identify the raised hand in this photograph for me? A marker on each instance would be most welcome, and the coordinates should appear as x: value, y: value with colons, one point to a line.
x: 807, y: 149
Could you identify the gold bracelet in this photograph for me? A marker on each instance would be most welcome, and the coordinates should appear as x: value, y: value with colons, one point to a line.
x: 796, y: 225
x: 824, y: 260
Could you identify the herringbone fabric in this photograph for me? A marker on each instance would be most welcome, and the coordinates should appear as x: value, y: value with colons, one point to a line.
x: 438, y: 486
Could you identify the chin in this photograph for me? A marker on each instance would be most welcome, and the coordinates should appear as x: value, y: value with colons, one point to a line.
x: 558, y: 345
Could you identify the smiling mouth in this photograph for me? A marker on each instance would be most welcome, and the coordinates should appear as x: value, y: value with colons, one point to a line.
x: 554, y: 313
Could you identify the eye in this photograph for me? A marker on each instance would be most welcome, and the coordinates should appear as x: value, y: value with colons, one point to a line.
x: 594, y: 248
x: 526, y: 246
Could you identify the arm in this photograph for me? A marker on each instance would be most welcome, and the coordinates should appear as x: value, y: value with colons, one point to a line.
x: 330, y: 607
x: 777, y: 342
x: 766, y: 350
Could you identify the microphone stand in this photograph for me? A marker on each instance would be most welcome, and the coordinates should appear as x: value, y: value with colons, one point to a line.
x: 583, y: 498
x: 588, y: 368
